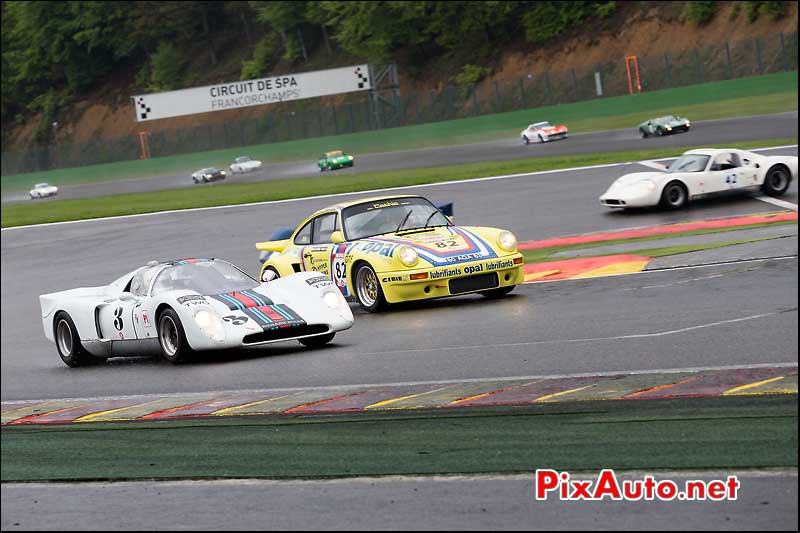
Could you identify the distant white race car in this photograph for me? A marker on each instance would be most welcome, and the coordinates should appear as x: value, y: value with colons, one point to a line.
x: 43, y: 190
x: 701, y: 173
x: 185, y: 306
x: 244, y: 164
x: 543, y: 132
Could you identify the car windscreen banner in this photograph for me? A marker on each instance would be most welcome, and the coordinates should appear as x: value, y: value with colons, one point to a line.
x: 246, y: 93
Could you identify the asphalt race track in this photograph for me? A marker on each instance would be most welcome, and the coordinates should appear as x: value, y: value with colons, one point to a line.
x: 552, y: 328
x: 776, y: 126
x: 475, y: 503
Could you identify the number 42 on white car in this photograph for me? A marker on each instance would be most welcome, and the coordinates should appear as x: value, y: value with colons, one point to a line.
x: 701, y: 173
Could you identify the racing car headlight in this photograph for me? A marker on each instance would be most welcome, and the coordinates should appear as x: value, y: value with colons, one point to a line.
x: 350, y: 157
x: 222, y: 172
x: 650, y: 185
x: 333, y: 299
x: 207, y: 175
x: 209, y: 322
x: 507, y: 241
x: 408, y: 256
x: 669, y: 128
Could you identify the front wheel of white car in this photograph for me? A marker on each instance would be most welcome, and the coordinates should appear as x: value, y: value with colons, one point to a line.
x: 674, y: 195
x: 68, y: 342
x: 317, y: 340
x: 777, y: 181
x: 172, y: 338
x: 525, y: 140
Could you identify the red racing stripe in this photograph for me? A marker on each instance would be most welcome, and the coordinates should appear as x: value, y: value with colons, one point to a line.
x: 244, y: 300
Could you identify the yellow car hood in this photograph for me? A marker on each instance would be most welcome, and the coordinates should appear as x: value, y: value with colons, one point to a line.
x: 439, y: 246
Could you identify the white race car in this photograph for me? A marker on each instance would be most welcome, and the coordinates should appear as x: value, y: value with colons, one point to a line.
x: 185, y: 306
x: 543, y: 132
x: 700, y: 173
x: 43, y: 190
x: 244, y: 164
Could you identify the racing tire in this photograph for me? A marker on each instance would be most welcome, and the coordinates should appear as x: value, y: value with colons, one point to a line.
x: 368, y: 290
x: 643, y: 134
x: 541, y: 140
x: 269, y: 274
x: 68, y: 342
x: 172, y: 338
x: 674, y: 196
x: 659, y: 132
x: 777, y: 181
x: 525, y: 140
x: 497, y: 293
x: 317, y: 340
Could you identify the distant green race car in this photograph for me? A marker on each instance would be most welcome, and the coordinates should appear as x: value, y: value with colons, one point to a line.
x: 664, y: 126
x: 334, y: 160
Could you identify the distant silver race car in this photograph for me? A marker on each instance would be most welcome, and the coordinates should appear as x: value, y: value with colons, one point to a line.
x: 208, y: 174
x: 43, y: 190
x: 185, y: 306
x: 699, y: 173
x: 244, y: 164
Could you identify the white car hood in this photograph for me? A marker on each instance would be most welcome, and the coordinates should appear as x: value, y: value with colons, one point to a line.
x: 636, y: 177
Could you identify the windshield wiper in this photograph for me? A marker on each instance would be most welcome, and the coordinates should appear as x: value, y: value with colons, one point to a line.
x: 429, y: 219
x: 404, y: 220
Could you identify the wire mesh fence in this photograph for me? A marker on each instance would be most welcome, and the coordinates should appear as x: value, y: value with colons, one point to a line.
x: 302, y: 120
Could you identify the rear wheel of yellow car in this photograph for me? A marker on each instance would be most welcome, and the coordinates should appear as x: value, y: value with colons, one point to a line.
x: 369, y: 292
x: 269, y: 274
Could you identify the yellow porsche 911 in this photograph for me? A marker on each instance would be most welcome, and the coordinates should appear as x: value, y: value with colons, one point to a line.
x: 396, y: 249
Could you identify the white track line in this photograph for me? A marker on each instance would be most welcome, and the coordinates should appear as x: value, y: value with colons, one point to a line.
x: 653, y: 164
x: 774, y: 201
x: 569, y: 341
x: 338, y: 195
x: 790, y: 364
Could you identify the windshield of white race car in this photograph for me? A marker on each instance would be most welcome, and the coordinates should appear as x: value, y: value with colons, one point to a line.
x: 689, y: 163
x: 390, y: 215
x: 203, y: 277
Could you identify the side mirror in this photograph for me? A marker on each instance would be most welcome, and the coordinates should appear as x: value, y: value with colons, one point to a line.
x: 337, y: 237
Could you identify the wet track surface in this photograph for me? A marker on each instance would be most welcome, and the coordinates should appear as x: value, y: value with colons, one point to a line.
x: 462, y: 503
x: 465, y: 337
x: 777, y: 126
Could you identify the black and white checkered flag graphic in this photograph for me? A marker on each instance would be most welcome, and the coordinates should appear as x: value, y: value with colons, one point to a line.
x: 362, y: 78
x: 143, y: 109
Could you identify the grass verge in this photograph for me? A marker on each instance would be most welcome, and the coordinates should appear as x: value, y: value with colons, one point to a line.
x: 241, y: 193
x: 728, y: 432
x: 740, y: 97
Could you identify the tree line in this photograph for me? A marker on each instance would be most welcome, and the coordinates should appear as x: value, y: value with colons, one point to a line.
x: 55, y: 51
